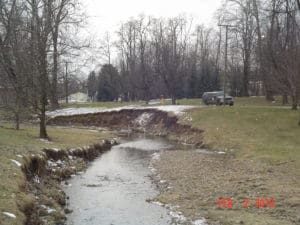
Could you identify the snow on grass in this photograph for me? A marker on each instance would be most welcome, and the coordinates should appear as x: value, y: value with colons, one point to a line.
x: 199, y: 222
x: 9, y: 215
x: 16, y: 162
x: 176, y: 109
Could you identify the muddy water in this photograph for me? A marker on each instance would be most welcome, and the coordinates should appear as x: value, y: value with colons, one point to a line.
x: 113, y: 191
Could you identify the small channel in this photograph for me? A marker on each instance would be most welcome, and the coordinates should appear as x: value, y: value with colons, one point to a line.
x: 114, y: 189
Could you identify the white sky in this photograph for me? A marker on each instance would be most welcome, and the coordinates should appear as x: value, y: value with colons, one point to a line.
x: 106, y: 15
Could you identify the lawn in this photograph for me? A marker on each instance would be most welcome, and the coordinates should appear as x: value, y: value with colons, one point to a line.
x: 25, y: 141
x: 240, y: 101
x: 268, y: 133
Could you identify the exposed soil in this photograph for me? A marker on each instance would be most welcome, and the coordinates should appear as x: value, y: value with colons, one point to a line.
x: 151, y: 121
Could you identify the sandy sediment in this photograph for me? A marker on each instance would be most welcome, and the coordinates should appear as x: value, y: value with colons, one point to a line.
x: 196, y: 180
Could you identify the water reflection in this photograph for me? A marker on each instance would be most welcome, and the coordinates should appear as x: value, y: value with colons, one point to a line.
x: 114, y: 189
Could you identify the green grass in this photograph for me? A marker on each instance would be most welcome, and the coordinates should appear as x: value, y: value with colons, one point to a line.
x: 240, y: 101
x: 26, y: 141
x: 265, y: 133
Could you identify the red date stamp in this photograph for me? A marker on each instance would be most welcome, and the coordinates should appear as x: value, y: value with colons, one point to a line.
x: 259, y: 203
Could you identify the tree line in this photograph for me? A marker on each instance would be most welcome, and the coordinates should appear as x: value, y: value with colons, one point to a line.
x: 35, y: 39
x: 175, y: 58
x: 172, y: 57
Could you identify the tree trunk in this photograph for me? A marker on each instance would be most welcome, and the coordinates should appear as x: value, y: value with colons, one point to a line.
x: 294, y: 102
x: 173, y: 100
x: 285, y: 99
x: 43, y: 130
x: 43, y: 93
x: 246, y: 82
x: 17, y: 120
x: 53, y: 91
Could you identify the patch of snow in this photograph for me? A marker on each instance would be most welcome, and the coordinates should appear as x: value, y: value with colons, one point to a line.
x: 16, y: 162
x: 51, y: 164
x: 154, y: 102
x: 45, y: 141
x: 19, y: 156
x: 178, y: 216
x: 152, y: 169
x: 221, y: 152
x: 155, y: 156
x: 9, y: 215
x: 157, y: 203
x: 36, y: 179
x: 143, y: 119
x: 94, y: 131
x: 176, y: 109
x: 199, y: 222
x: 48, y: 209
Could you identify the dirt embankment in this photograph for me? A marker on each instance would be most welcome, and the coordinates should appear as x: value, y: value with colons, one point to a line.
x: 44, y: 200
x: 151, y: 121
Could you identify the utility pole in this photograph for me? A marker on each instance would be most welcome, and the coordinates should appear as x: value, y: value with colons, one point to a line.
x: 226, y: 47
x: 66, y: 84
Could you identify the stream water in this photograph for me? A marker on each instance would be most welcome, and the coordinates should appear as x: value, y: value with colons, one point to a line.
x: 114, y: 189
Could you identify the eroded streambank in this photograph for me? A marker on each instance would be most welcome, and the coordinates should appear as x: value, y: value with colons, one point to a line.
x: 195, y: 180
x: 151, y: 121
x: 46, y: 172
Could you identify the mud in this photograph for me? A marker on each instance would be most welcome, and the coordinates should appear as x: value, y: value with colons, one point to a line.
x: 151, y: 121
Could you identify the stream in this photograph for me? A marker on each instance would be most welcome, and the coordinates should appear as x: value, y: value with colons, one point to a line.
x: 115, y: 187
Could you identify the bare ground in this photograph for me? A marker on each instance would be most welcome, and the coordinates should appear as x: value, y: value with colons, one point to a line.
x: 198, y: 180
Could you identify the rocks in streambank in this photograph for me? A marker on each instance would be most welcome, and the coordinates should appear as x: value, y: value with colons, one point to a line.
x: 45, y: 172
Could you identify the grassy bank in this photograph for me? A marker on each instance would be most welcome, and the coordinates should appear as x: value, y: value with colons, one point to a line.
x: 265, y: 133
x: 25, y: 141
x: 262, y: 160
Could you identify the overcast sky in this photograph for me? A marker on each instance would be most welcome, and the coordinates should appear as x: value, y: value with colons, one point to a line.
x: 106, y: 15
